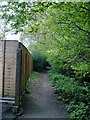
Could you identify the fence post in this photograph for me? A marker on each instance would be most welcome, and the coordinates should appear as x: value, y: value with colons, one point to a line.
x: 18, y: 77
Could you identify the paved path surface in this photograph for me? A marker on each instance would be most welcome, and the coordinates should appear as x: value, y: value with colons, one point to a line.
x: 42, y: 102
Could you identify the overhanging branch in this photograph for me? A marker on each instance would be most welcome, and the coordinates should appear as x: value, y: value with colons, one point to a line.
x: 81, y: 28
x: 86, y: 8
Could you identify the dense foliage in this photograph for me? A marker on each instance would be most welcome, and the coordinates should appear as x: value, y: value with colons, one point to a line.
x: 60, y: 31
x: 76, y: 95
x: 39, y: 61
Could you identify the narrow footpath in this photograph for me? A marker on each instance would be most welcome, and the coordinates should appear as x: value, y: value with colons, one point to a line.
x: 42, y: 102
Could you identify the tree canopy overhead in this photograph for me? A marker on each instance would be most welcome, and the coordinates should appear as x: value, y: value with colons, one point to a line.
x: 59, y: 30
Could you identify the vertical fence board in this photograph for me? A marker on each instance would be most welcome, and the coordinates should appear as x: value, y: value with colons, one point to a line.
x: 1, y: 66
x: 18, y: 77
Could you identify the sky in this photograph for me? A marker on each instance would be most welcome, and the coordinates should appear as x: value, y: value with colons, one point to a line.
x: 10, y: 36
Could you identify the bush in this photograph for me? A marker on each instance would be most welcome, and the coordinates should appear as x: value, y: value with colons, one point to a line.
x: 39, y: 61
x: 78, y: 111
x: 75, y: 95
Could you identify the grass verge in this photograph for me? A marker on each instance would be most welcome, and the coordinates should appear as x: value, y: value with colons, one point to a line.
x: 33, y: 76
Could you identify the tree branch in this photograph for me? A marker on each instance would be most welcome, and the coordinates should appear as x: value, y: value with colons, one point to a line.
x: 81, y: 28
x: 61, y: 22
x: 86, y: 8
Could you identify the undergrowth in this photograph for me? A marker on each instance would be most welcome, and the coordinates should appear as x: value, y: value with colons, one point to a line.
x: 76, y: 95
x: 28, y: 84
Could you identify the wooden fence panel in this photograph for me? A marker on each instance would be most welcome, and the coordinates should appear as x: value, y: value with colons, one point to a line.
x: 15, y: 68
x: 10, y: 68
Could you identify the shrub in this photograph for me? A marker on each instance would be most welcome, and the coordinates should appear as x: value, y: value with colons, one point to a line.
x: 76, y: 95
x: 78, y: 111
x: 38, y: 61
